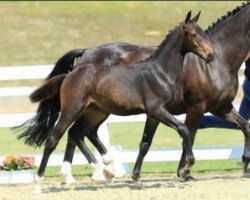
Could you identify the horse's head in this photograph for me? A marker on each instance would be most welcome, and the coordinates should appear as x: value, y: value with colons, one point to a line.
x: 195, y: 38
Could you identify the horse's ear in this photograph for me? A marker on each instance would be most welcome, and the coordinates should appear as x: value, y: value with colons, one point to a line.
x: 195, y: 19
x: 188, y: 17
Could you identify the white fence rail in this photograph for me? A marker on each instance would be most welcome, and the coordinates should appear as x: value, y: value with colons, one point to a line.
x: 24, y: 72
x: 41, y: 71
x: 32, y: 72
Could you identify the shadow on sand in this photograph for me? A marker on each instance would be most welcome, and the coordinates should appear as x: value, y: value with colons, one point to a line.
x: 147, y: 183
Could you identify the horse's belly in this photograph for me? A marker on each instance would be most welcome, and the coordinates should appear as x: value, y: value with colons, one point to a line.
x: 118, y: 109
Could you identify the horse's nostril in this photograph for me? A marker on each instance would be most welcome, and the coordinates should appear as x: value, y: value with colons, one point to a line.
x: 210, y: 56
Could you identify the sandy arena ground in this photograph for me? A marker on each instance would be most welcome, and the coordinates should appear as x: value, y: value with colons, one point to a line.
x: 229, y: 186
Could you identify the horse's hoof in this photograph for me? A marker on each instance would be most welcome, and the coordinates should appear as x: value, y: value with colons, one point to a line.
x: 184, y: 174
x: 38, y: 189
x: 245, y: 163
x: 68, y: 180
x: 190, y: 178
x: 98, y: 182
x: 108, y: 175
x: 97, y: 175
x: 244, y: 166
x: 38, y: 184
x: 109, y: 171
x: 136, y: 176
x: 95, y: 182
x: 139, y: 185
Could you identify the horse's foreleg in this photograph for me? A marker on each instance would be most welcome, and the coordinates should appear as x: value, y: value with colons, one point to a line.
x: 234, y: 117
x: 148, y: 134
x: 192, y: 120
x: 161, y: 114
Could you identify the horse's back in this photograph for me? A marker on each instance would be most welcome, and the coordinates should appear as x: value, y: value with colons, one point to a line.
x: 116, y: 54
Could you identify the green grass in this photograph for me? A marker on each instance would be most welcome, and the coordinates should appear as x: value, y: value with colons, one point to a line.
x: 129, y: 135
x: 200, y: 166
x: 10, y: 144
x: 40, y: 32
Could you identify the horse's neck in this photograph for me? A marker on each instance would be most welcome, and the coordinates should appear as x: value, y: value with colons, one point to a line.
x: 230, y: 41
x: 170, y: 56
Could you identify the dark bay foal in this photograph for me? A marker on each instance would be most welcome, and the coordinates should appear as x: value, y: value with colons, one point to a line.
x: 145, y: 87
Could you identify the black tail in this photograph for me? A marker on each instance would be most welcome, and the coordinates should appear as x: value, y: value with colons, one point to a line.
x: 65, y: 64
x: 36, y: 130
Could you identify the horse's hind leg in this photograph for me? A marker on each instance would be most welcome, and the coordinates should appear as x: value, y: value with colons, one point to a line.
x: 148, y: 134
x: 67, y: 161
x: 70, y: 110
x: 87, y: 125
x: 234, y: 117
x: 50, y: 145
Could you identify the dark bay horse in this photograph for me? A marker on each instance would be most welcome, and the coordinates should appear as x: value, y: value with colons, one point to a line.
x: 211, y: 89
x: 147, y: 87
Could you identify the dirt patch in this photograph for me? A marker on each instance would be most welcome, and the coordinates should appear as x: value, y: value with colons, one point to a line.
x: 209, y: 186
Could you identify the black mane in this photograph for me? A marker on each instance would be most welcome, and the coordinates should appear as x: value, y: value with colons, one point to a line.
x: 229, y: 13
